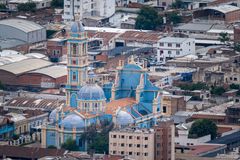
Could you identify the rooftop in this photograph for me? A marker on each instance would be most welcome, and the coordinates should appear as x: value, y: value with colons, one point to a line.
x: 34, y: 103
x: 173, y: 40
x: 194, y: 27
x: 52, y: 71
x: 28, y: 152
x: 25, y: 66
x: 112, y: 106
x: 24, y: 25
x: 224, y: 8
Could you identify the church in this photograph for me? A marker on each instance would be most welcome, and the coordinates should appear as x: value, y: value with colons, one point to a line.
x: 131, y: 100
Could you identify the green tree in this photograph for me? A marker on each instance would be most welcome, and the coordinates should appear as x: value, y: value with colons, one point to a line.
x: 224, y: 37
x: 70, y: 145
x: 57, y: 3
x: 52, y: 147
x: 1, y: 85
x: 193, y: 86
x: 174, y: 18
x: 234, y: 86
x: 203, y: 127
x: 27, y: 7
x: 148, y: 19
x: 217, y: 90
x: 178, y: 4
x: 237, y: 47
x: 3, y: 6
x: 98, y: 140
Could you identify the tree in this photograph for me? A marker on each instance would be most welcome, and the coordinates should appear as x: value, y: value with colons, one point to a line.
x: 178, y: 4
x: 174, y: 18
x: 3, y: 6
x: 193, y: 86
x: 237, y: 47
x: 57, y: 3
x: 1, y: 85
x: 70, y: 145
x: 234, y: 86
x: 52, y: 147
x: 203, y: 127
x: 98, y: 141
x: 217, y: 90
x: 27, y: 7
x: 148, y: 19
x: 224, y: 37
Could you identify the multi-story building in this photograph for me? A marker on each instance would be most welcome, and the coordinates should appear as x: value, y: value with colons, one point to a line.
x: 171, y: 104
x: 171, y: 47
x: 85, y: 8
x: 6, y: 127
x: 144, y: 144
x: 164, y: 140
x: 132, y: 143
x: 165, y: 3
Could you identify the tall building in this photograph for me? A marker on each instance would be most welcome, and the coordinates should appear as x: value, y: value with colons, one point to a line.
x: 88, y: 8
x: 164, y: 140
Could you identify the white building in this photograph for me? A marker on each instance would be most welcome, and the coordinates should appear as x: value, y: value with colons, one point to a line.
x: 171, y: 47
x: 12, y: 4
x: 88, y: 9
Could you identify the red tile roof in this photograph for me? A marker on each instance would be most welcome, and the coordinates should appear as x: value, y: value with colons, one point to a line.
x: 198, y: 149
x: 120, y: 103
x: 138, y: 36
x: 28, y: 152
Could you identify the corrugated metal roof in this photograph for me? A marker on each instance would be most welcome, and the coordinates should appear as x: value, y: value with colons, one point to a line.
x: 25, y: 66
x: 224, y: 8
x: 53, y: 71
x: 24, y: 25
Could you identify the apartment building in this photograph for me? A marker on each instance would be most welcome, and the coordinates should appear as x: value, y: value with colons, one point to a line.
x: 144, y: 144
x: 132, y: 143
x: 171, y: 47
x: 88, y: 8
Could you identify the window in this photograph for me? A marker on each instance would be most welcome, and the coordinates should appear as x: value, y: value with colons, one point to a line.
x: 235, y: 79
x: 130, y: 137
x: 177, y: 52
x: 164, y: 109
x: 114, y: 144
x: 138, y: 153
x: 122, y: 136
x: 169, y: 44
x: 114, y: 136
x: 178, y: 45
x: 145, y: 154
x: 114, y: 152
x: 138, y: 145
x: 74, y: 49
x: 164, y: 4
x: 130, y: 145
x: 158, y: 145
x: 74, y: 62
x: 146, y: 138
x: 161, y: 44
x: 145, y: 146
x: 74, y: 77
x: 169, y: 52
x: 130, y: 153
x: 122, y: 152
x: 122, y: 144
x: 138, y: 137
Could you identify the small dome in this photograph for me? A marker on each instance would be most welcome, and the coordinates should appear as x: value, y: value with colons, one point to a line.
x: 91, y: 92
x: 124, y: 118
x: 77, y: 27
x: 52, y: 115
x: 73, y: 121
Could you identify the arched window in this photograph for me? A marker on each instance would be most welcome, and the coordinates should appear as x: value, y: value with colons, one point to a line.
x: 74, y: 49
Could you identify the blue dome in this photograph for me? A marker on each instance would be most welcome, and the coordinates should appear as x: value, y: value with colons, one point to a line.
x: 91, y: 92
x: 124, y: 118
x: 73, y: 121
x: 77, y: 27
